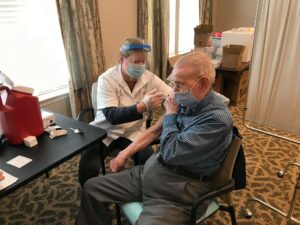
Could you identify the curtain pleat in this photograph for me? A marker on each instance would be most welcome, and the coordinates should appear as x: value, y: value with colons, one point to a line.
x: 142, y: 19
x: 206, y: 11
x: 274, y: 86
x: 153, y: 26
x: 81, y: 32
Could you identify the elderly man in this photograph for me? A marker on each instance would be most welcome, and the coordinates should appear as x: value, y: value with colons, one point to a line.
x: 195, y: 133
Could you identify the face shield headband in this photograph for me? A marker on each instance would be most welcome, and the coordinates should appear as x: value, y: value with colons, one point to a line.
x: 144, y: 47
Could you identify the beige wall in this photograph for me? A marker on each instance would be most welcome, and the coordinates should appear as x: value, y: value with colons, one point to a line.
x: 118, y: 21
x: 234, y: 13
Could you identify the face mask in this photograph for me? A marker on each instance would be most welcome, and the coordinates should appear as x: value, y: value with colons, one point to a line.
x: 136, y: 70
x: 185, y: 98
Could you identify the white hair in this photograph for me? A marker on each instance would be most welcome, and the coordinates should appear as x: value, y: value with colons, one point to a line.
x: 200, y: 63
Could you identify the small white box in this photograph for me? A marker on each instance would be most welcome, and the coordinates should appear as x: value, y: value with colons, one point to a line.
x: 240, y: 36
x: 30, y: 141
x: 48, y: 119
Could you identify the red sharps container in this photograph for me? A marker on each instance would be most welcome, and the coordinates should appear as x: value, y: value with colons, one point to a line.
x: 20, y: 116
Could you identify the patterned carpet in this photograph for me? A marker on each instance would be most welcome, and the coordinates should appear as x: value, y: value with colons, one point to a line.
x: 55, y: 200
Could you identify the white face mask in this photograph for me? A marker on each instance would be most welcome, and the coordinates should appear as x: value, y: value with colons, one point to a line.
x: 136, y: 70
x: 186, y: 98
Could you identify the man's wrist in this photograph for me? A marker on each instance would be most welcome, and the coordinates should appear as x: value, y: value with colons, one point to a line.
x: 124, y: 154
x: 169, y: 119
x: 170, y: 112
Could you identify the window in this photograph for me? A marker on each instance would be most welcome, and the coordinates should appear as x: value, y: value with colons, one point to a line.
x: 184, y: 17
x: 32, y: 52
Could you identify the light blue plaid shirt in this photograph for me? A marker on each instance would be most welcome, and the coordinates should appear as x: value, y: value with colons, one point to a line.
x: 197, y: 138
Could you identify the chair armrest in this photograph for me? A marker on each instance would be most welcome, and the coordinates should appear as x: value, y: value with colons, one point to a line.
x: 209, y: 195
x: 155, y: 142
x: 84, y: 112
x: 149, y: 119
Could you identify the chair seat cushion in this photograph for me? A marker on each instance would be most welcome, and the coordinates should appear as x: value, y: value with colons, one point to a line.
x: 132, y: 210
x: 212, y: 208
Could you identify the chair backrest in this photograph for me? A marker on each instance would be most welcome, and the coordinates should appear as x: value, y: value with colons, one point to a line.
x: 94, y: 96
x: 225, y: 172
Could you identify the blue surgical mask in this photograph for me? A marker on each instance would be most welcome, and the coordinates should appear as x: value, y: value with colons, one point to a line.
x: 185, y: 98
x: 136, y: 70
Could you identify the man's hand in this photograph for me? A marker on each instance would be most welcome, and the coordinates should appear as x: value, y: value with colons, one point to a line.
x: 170, y: 105
x: 153, y: 99
x: 117, y: 163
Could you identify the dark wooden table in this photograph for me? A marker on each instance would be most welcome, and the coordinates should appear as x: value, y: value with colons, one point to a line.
x: 232, y: 82
x: 49, y: 153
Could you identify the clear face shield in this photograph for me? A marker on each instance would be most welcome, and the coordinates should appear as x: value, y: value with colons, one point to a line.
x: 135, y: 70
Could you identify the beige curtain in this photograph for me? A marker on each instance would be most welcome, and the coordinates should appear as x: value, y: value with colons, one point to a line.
x: 153, y: 26
x: 81, y: 32
x: 274, y: 88
x: 206, y: 11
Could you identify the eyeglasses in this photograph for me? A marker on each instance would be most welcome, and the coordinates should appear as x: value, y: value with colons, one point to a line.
x: 181, y: 87
x: 178, y: 86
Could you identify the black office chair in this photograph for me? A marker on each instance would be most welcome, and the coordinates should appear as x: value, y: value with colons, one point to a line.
x: 230, y: 176
x: 88, y: 114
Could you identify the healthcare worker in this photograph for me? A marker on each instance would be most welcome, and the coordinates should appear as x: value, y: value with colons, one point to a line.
x: 126, y: 93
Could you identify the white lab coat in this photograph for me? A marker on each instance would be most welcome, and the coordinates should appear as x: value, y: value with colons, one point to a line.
x: 113, y: 91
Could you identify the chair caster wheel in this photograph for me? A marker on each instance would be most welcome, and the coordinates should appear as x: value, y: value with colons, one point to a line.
x: 280, y: 173
x: 248, y: 214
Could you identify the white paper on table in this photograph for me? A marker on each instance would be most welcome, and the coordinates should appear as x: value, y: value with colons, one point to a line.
x: 19, y: 161
x: 8, y: 180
